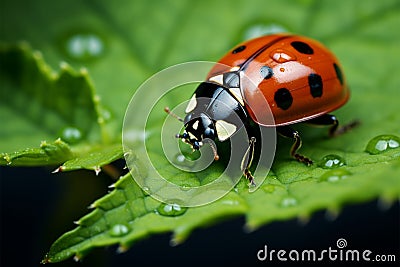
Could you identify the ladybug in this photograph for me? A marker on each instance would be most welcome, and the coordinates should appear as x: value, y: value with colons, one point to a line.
x: 298, y: 77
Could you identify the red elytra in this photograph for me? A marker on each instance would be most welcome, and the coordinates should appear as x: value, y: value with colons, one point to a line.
x: 298, y: 77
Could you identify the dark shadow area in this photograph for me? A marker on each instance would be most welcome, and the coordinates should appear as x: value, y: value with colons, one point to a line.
x: 37, y: 207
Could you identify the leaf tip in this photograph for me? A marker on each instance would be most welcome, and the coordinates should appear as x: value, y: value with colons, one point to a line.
x: 46, y: 259
x: 174, y: 242
x: 43, y: 144
x: 303, y: 219
x: 97, y: 170
x: 332, y: 213
x: 77, y: 258
x: 178, y: 238
x: 249, y: 228
x: 59, y: 169
x: 122, y: 249
x: 384, y: 203
x: 7, y: 158
x: 92, y: 206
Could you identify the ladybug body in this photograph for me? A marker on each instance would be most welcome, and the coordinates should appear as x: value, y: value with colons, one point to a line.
x: 297, y: 77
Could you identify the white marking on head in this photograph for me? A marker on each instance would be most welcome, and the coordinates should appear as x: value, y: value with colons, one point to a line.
x: 195, y: 125
x: 224, y: 129
x: 217, y: 79
x: 192, y: 104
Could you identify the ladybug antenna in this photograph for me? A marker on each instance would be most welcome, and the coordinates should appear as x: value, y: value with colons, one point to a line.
x: 166, y: 109
x: 213, y: 147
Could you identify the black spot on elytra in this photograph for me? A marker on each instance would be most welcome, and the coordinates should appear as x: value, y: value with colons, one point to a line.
x: 339, y: 74
x: 283, y: 98
x: 238, y: 49
x: 316, y: 85
x: 302, y: 47
x: 266, y: 72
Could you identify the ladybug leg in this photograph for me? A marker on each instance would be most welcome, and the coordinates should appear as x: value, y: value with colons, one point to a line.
x: 331, y: 120
x: 247, y: 160
x: 288, y: 132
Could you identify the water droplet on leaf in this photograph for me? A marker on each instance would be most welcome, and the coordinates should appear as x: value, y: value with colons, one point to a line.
x: 269, y: 188
x: 382, y: 143
x: 119, y: 230
x: 171, y: 210
x: 83, y: 46
x: 180, y: 158
x: 289, y: 202
x: 184, y: 159
x: 105, y: 114
x: 71, y: 135
x: 186, y: 187
x: 332, y: 161
x: 146, y: 190
x: 334, y: 175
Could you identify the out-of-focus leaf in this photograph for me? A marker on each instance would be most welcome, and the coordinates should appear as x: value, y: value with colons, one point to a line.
x: 38, y: 104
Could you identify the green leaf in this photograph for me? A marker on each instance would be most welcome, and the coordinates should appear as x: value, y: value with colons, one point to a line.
x: 47, y: 154
x: 139, y: 39
x: 127, y: 214
x: 37, y: 103
x: 93, y: 159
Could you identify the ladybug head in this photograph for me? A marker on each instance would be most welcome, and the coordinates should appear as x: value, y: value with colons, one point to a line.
x: 199, y: 130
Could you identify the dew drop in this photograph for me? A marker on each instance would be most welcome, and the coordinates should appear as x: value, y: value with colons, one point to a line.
x: 269, y: 188
x: 289, y: 202
x: 71, y: 135
x: 83, y: 46
x: 382, y: 143
x: 106, y: 114
x: 170, y: 210
x: 184, y: 160
x: 146, y: 190
x: 119, y: 230
x: 230, y: 202
x: 257, y: 30
x: 8, y: 159
x: 332, y: 161
x: 180, y: 158
x: 334, y: 175
x: 186, y: 187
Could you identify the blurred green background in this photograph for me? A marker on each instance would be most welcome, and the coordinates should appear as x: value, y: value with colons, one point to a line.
x: 122, y: 43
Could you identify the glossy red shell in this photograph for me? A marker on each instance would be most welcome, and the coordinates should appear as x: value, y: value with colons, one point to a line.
x: 291, y: 68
